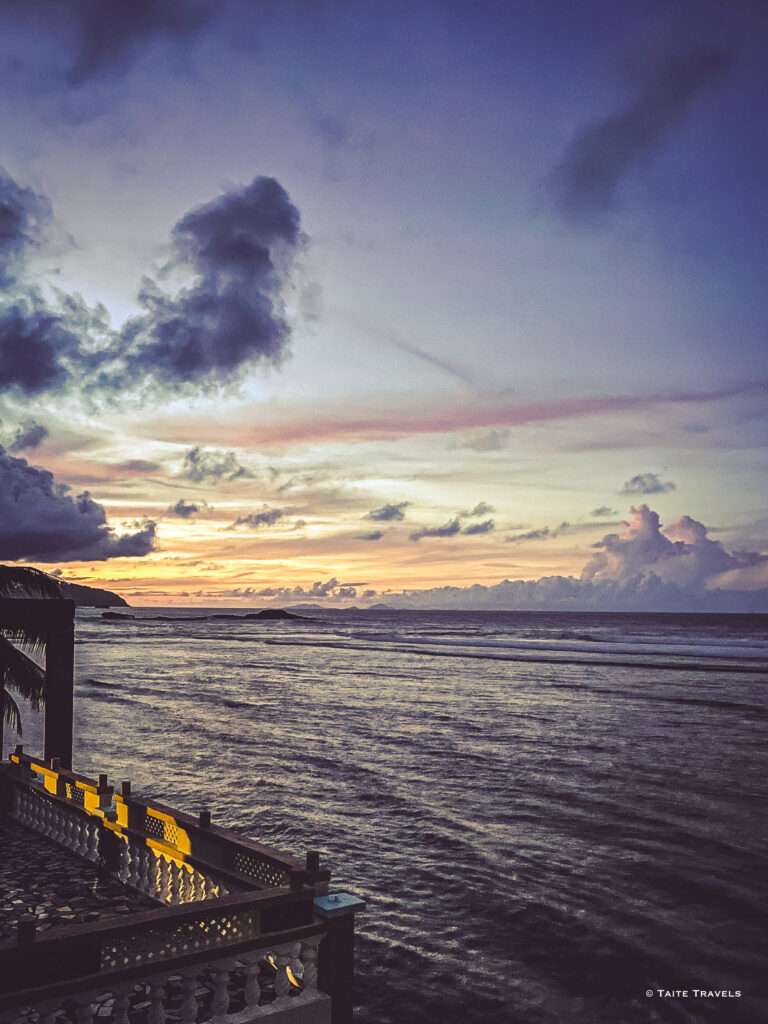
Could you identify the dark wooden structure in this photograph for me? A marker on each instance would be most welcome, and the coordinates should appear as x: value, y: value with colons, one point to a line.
x: 54, y: 621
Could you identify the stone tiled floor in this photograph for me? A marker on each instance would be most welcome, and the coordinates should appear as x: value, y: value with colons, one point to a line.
x: 39, y: 877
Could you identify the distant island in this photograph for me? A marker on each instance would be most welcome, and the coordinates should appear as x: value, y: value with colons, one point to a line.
x: 265, y: 613
x: 271, y: 613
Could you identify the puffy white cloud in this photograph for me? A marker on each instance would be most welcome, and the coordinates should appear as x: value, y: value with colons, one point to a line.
x: 681, y: 554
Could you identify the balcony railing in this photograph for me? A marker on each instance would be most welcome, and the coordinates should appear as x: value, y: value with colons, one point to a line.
x: 236, y: 937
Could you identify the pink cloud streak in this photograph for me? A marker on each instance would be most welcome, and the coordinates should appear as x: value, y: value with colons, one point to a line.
x: 300, y: 424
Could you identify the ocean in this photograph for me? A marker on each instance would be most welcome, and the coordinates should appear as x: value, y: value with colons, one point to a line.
x: 552, y: 817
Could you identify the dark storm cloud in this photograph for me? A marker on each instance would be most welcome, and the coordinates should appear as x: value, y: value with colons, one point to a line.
x: 28, y: 435
x: 105, y: 34
x: 22, y: 215
x: 391, y: 512
x: 601, y: 155
x: 449, y: 529
x: 485, y: 527
x: 41, y: 521
x: 240, y: 248
x: 201, y: 464
x: 185, y: 509
x: 267, y: 517
x: 647, y: 483
x: 237, y: 254
x: 37, y: 349
x: 374, y: 535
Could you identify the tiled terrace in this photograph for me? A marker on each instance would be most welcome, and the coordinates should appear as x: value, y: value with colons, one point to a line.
x: 41, y: 877
x: 135, y: 913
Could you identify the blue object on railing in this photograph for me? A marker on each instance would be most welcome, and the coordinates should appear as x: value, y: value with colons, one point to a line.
x: 338, y: 904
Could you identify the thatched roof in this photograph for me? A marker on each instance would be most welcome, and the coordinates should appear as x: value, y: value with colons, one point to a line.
x: 26, y: 581
x: 28, y: 604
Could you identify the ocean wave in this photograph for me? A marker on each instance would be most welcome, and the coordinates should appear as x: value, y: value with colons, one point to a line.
x: 547, y: 654
x: 540, y: 833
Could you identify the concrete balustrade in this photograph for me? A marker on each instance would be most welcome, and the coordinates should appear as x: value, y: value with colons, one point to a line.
x: 235, y: 938
x: 245, y: 989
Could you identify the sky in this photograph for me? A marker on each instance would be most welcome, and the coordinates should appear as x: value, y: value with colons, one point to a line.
x: 434, y: 304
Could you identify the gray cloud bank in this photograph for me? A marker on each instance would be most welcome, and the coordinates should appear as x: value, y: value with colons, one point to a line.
x: 317, y: 591
x: 641, y: 568
x: 41, y: 521
x: 236, y: 253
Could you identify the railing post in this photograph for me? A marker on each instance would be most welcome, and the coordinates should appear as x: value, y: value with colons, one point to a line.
x: 316, y: 876
x: 336, y: 960
x: 109, y: 850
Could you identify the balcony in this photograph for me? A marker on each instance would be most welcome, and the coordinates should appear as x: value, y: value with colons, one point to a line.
x: 120, y: 910
x: 126, y: 911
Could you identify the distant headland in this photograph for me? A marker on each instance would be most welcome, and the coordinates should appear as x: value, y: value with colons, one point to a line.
x: 91, y: 597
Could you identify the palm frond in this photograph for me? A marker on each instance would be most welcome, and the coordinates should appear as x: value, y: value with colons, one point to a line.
x: 9, y: 711
x: 26, y: 581
x: 20, y: 673
x: 32, y: 635
x: 23, y: 624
